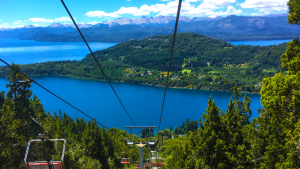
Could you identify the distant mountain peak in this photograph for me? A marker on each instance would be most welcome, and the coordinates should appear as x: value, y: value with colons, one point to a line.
x: 276, y: 15
x: 29, y: 26
x: 56, y: 25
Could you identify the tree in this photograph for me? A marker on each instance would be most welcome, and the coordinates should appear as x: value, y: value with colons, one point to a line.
x: 294, y: 12
x: 279, y: 119
x: 175, y: 132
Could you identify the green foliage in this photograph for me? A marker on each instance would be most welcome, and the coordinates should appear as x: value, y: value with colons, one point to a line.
x: 294, y: 11
x: 291, y: 58
x: 220, y: 142
x: 186, y: 127
x: 87, y: 162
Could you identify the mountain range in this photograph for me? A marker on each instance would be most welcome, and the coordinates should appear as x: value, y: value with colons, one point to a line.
x: 230, y: 28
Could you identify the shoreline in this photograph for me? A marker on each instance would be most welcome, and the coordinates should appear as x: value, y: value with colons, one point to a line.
x: 180, y: 88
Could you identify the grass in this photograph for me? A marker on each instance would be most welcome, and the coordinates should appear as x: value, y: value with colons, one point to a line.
x: 213, y: 71
x: 269, y: 70
x: 187, y: 71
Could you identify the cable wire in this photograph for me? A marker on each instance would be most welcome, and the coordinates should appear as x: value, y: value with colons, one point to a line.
x: 96, y: 61
x: 52, y: 93
x: 175, y: 30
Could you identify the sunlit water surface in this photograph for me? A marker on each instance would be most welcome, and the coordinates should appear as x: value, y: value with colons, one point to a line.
x: 28, y: 51
x: 98, y: 100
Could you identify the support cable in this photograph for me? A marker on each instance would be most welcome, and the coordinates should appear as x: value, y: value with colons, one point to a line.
x: 96, y: 61
x: 175, y: 30
x: 52, y: 93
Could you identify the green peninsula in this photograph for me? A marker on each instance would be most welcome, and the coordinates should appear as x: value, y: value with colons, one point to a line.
x: 199, y: 62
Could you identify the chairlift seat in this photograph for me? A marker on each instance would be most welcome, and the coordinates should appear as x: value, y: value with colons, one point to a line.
x: 151, y: 143
x: 154, y: 164
x: 44, y: 164
x: 125, y: 160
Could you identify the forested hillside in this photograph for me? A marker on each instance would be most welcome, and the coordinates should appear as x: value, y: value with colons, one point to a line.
x: 198, y: 62
x: 230, y: 140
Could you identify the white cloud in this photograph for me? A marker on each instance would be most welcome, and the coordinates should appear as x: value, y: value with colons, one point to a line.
x: 101, y: 14
x: 40, y: 20
x: 257, y: 14
x: 61, y: 19
x: 265, y: 5
x: 19, y: 22
x: 207, y: 7
x: 36, y: 25
x: 93, y: 22
x: 191, y: 1
x: 219, y: 3
x: 230, y: 11
x: 128, y: 0
x: 5, y: 24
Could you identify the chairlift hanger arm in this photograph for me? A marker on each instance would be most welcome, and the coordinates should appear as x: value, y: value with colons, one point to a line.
x: 39, y: 140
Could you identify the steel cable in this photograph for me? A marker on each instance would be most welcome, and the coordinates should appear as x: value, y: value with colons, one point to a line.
x: 96, y: 60
x: 175, y: 30
x: 53, y: 94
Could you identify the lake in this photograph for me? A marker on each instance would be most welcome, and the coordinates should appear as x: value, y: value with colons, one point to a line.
x: 28, y: 51
x: 143, y: 103
x: 260, y: 43
x: 98, y: 100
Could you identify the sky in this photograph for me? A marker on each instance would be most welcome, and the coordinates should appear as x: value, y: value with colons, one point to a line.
x: 18, y: 13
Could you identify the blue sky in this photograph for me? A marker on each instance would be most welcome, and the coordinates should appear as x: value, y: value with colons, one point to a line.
x: 17, y: 13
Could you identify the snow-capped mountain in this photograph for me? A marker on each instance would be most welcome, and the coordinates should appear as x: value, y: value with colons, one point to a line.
x: 59, y: 25
x: 143, y: 21
x: 29, y: 26
x: 195, y: 19
x: 80, y: 25
x: 56, y: 25
x: 146, y: 20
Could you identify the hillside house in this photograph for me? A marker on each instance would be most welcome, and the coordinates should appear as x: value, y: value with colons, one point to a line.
x: 127, y: 69
x: 176, y: 77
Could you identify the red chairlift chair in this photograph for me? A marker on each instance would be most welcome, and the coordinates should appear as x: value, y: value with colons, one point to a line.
x: 44, y: 164
x: 125, y: 160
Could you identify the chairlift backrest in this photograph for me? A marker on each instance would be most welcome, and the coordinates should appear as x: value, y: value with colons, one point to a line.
x: 125, y: 160
x: 44, y: 164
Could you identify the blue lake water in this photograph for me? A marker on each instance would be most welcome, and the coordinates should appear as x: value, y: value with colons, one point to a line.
x: 98, y: 100
x: 260, y: 43
x: 143, y: 103
x: 28, y: 51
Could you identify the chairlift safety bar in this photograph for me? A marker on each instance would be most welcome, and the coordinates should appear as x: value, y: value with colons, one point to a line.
x: 38, y: 140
